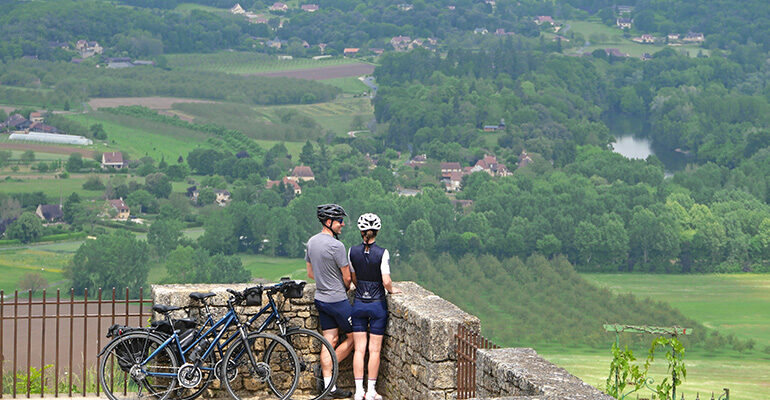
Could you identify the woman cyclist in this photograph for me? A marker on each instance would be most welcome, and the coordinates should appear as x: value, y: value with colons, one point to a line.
x: 370, y: 271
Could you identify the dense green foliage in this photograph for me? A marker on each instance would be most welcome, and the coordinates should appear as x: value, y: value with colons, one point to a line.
x: 120, y: 30
x: 71, y: 83
x: 116, y: 259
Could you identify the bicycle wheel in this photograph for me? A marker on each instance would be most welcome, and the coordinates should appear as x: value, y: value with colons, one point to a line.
x: 126, y: 372
x: 281, y: 367
x: 193, y: 381
x: 309, y: 346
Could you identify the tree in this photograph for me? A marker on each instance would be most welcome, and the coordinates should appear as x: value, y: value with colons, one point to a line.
x: 164, y: 235
x: 27, y: 228
x: 32, y: 281
x: 116, y: 260
x: 98, y: 132
x: 206, y: 196
x: 219, y: 233
x: 419, y: 236
x: 143, y: 201
x: 28, y: 156
x: 75, y: 162
x: 93, y: 183
x: 158, y: 184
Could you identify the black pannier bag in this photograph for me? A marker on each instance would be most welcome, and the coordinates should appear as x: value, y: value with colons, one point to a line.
x: 181, y: 324
x: 253, y: 296
x: 293, y: 289
x: 129, y: 351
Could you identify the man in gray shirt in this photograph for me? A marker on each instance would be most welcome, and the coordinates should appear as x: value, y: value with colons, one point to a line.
x: 327, y: 263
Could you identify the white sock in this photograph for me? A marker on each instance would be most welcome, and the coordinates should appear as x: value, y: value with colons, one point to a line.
x: 328, y: 380
x: 371, y: 384
x: 359, y: 385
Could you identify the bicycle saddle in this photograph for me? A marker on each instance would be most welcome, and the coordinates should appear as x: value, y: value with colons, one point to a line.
x: 201, y: 296
x: 162, y: 308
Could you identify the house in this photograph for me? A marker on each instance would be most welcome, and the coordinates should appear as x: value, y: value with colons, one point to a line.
x: 615, y: 53
x: 624, y: 23
x: 376, y: 50
x: 123, y: 212
x: 302, y: 173
x: 447, y: 167
x: 400, y: 43
x: 490, y: 165
x: 453, y: 181
x: 408, y: 192
x: 673, y: 37
x: 544, y: 19
x: 223, y: 197
x: 275, y: 43
x: 461, y: 203
x: 237, y: 9
x: 524, y: 159
x: 143, y: 62
x: 350, y: 51
x: 309, y: 7
x: 41, y: 127
x: 278, y: 6
x: 500, y: 32
x: 286, y: 182
x: 88, y: 49
x: 417, y: 160
x: 49, y: 212
x: 694, y: 37
x: 451, y: 7
x: 192, y: 193
x: 493, y: 128
x: 258, y: 19
x: 644, y: 39
x: 59, y: 45
x: 480, y: 31
x: 36, y: 116
x: 624, y: 9
x: 112, y: 159
x: 646, y: 56
x: 405, y: 7
x: 14, y: 121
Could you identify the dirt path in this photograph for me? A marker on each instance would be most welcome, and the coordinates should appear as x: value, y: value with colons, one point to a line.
x: 155, y: 103
x: 336, y: 71
x: 46, y: 148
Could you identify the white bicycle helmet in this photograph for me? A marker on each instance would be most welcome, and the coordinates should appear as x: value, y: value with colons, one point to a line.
x: 369, y: 221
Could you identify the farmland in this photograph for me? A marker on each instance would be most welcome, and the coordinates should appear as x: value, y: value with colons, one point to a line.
x: 250, y: 63
x: 731, y: 303
x: 140, y: 137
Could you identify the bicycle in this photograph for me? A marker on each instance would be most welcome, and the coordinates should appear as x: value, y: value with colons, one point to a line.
x: 311, y: 347
x: 152, y: 360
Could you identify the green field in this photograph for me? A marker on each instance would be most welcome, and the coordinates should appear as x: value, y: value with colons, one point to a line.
x: 747, y: 379
x: 52, y: 188
x: 602, y: 36
x: 141, y: 137
x: 349, y: 85
x: 247, y: 63
x: 14, y: 263
x: 336, y: 115
x: 273, y: 268
x: 736, y: 304
x: 186, y: 8
x: 731, y: 303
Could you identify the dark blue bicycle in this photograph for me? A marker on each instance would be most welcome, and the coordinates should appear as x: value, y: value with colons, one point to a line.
x: 140, y: 362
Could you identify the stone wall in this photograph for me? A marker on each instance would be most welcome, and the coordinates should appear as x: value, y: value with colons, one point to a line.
x: 419, y: 350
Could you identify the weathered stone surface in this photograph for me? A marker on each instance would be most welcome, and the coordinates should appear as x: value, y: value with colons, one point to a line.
x: 419, y: 350
x: 522, y: 372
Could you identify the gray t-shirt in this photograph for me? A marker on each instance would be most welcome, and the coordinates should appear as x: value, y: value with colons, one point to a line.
x: 327, y: 255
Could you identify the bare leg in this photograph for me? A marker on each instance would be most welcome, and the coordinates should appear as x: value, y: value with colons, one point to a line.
x: 345, y: 348
x: 332, y: 335
x: 358, y: 358
x: 375, y: 344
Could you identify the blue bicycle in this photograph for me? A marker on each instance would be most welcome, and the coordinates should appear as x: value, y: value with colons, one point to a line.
x: 140, y: 360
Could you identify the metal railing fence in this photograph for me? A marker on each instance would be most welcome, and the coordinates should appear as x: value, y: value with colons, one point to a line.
x: 40, y: 339
x: 468, y: 342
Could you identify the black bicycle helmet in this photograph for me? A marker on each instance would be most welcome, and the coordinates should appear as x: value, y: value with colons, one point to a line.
x: 330, y: 211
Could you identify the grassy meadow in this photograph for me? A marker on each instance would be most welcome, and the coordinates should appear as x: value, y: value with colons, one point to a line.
x: 736, y: 304
x: 51, y: 187
x: 140, y: 137
x: 602, y: 36
x: 243, y: 63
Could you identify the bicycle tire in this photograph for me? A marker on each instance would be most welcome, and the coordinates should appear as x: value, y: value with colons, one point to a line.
x: 183, y: 393
x: 308, y: 344
x: 280, y: 366
x: 115, y: 360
